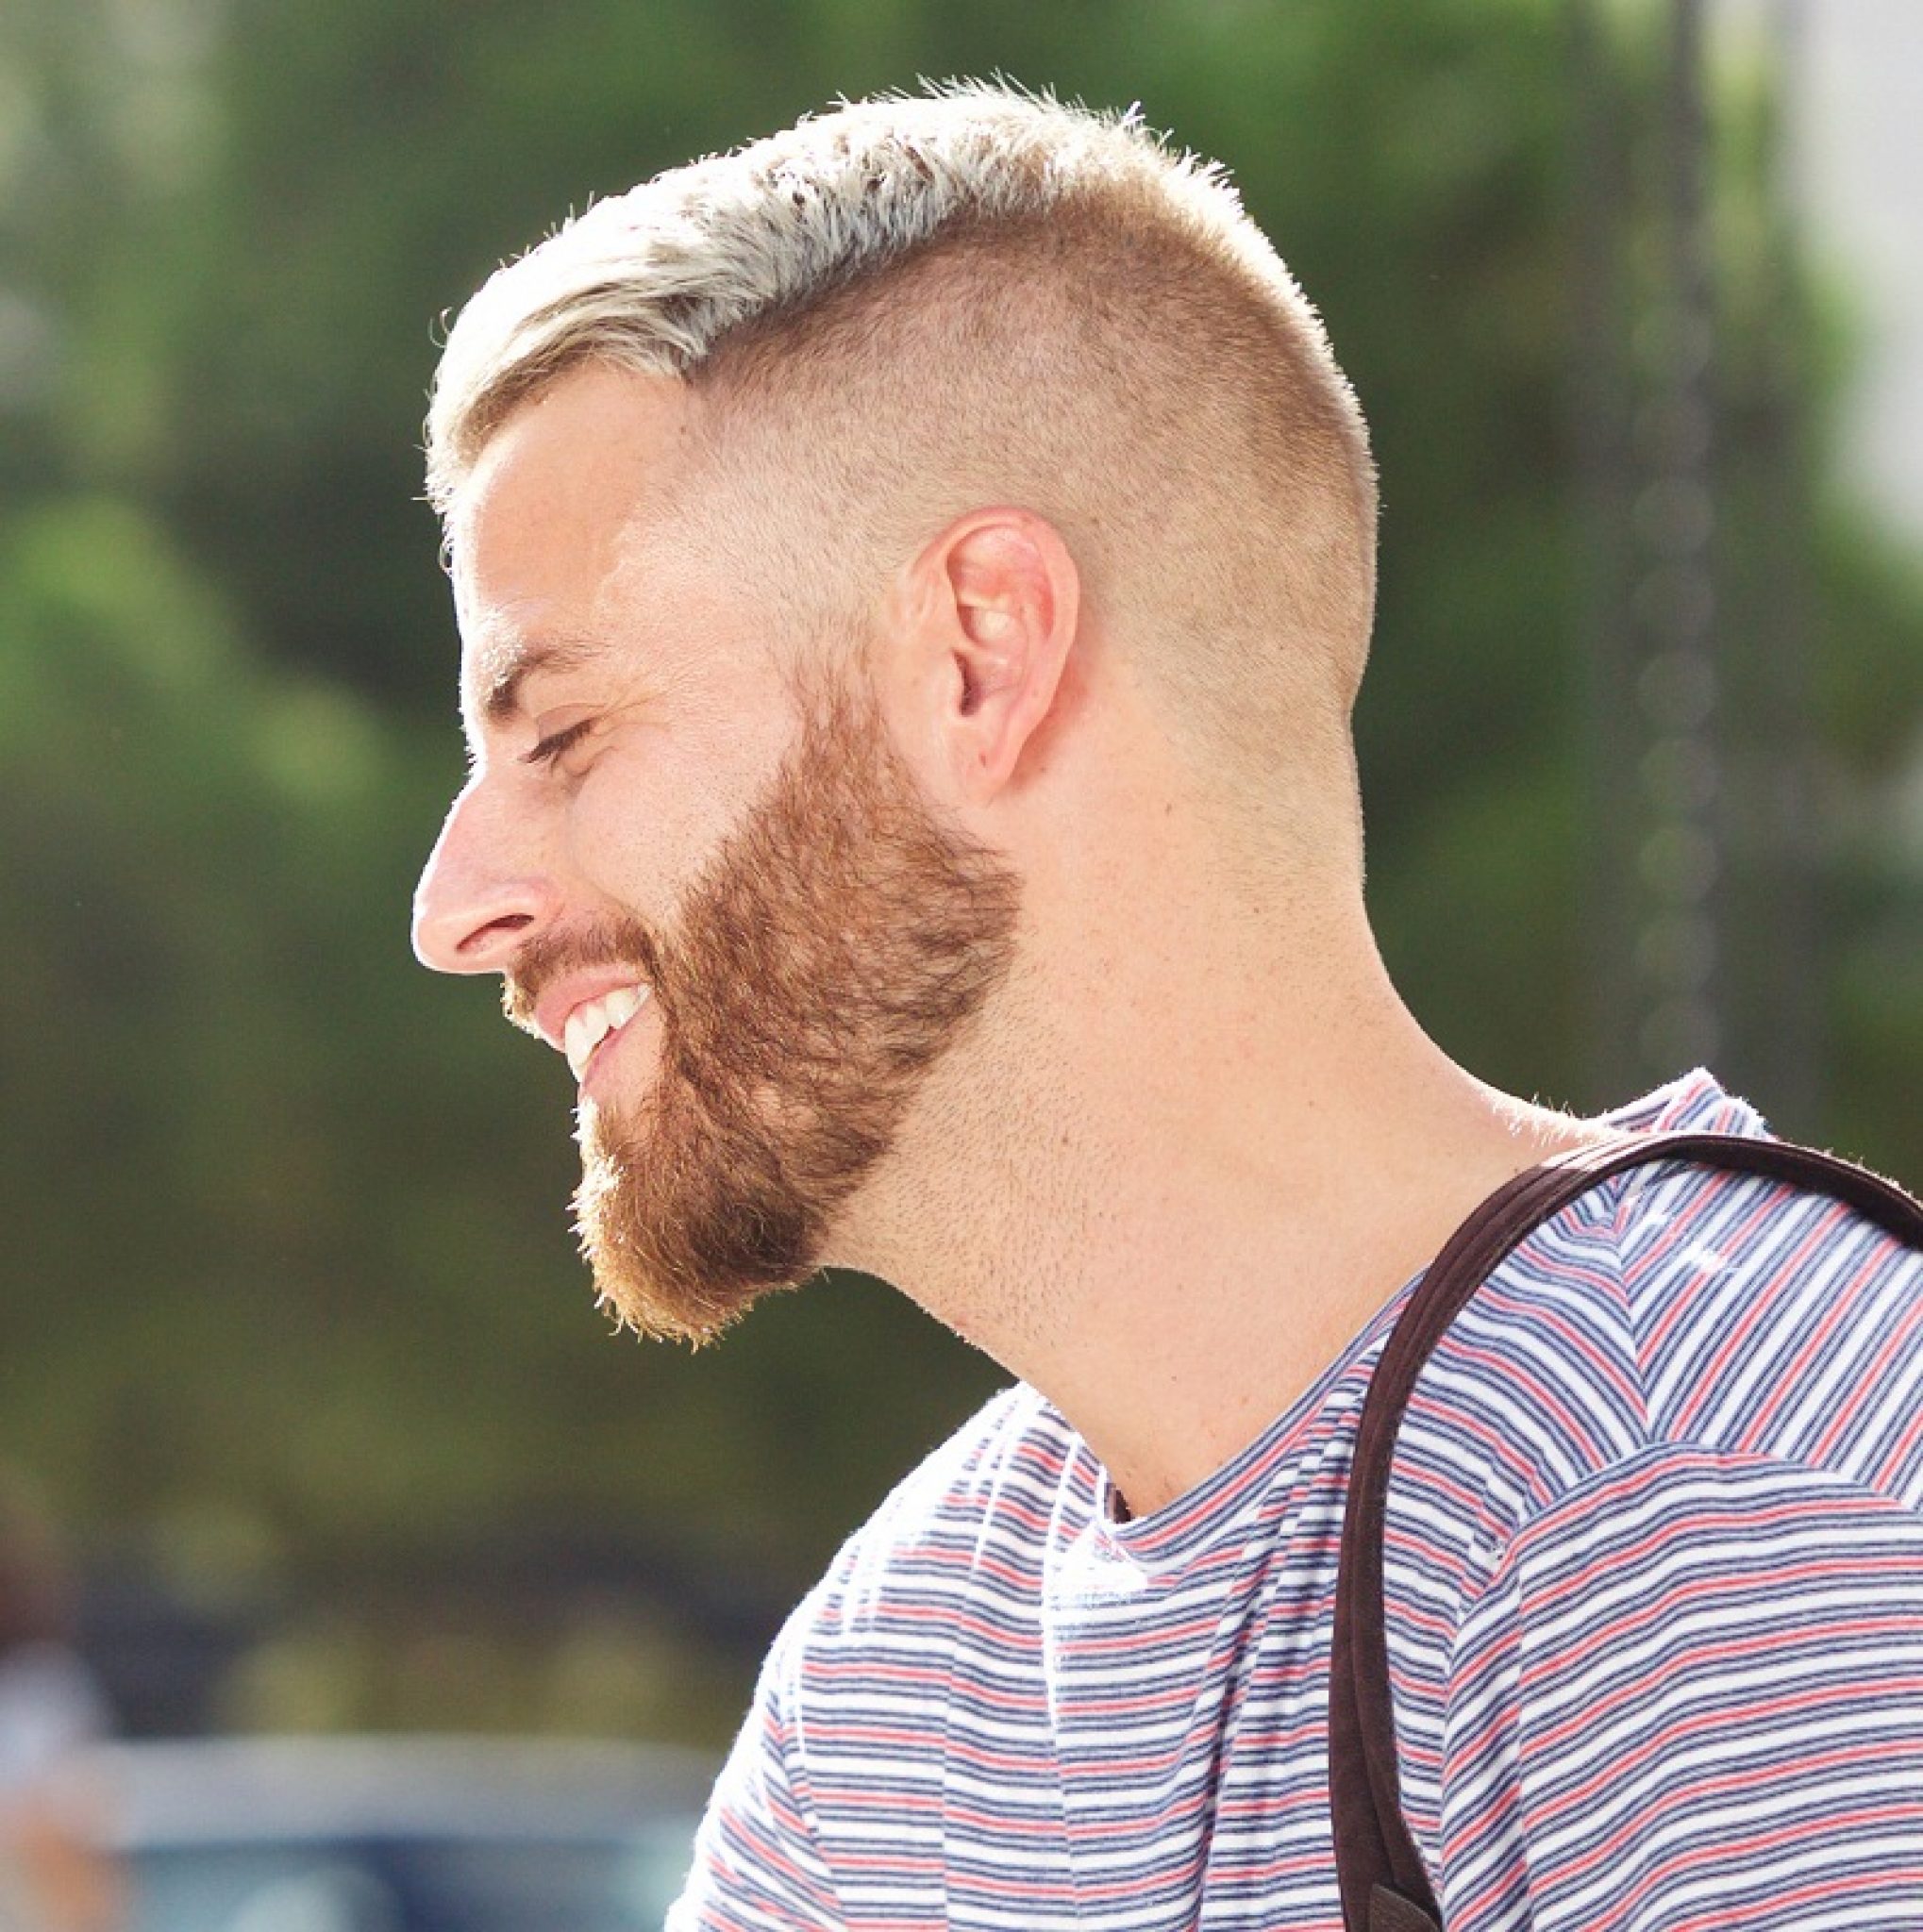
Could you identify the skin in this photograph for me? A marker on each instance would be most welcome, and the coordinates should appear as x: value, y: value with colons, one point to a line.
x: 1195, y: 1139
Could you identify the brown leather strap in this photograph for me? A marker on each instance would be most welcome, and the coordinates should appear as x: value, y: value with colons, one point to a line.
x: 1384, y: 1885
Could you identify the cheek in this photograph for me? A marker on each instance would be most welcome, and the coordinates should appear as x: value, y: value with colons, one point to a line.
x: 648, y: 817
x: 637, y: 827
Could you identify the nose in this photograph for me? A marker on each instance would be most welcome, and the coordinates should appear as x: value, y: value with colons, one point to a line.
x: 479, y: 902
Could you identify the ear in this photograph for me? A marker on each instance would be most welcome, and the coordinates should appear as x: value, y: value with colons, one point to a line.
x: 992, y: 604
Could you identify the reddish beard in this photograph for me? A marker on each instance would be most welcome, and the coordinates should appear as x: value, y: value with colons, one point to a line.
x: 839, y: 943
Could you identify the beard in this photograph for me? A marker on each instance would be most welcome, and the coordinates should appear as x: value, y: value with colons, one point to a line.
x: 841, y: 941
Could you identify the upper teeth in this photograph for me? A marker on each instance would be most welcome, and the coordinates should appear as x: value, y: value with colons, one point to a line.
x: 590, y: 1022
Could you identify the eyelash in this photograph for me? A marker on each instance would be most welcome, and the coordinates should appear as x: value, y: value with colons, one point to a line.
x: 556, y: 743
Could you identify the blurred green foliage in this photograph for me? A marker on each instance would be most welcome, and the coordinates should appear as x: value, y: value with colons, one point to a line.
x: 292, y: 1295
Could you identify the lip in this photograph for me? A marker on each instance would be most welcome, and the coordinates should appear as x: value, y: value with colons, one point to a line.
x: 555, y: 1006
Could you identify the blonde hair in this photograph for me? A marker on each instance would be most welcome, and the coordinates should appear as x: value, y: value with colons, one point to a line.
x: 906, y: 308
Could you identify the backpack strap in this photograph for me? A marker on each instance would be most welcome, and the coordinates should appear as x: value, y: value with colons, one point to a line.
x: 1384, y: 1885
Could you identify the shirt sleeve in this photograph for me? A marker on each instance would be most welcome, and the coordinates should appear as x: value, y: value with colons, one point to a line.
x: 1690, y: 1696
x: 757, y: 1865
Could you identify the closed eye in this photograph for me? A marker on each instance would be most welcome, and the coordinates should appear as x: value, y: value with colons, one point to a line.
x: 556, y: 743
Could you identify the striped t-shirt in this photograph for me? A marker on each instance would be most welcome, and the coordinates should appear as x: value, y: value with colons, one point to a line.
x: 1655, y: 1589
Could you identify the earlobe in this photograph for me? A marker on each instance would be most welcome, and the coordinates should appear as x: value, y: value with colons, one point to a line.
x: 1005, y: 609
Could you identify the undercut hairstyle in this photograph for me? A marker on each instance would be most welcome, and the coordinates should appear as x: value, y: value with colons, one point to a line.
x: 906, y: 308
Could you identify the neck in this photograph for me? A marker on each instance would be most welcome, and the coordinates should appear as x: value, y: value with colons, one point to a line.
x: 1170, y: 1182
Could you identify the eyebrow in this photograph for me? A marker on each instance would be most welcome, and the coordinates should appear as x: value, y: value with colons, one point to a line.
x: 507, y: 668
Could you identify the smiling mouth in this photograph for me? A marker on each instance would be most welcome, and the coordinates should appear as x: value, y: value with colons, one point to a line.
x: 593, y: 1020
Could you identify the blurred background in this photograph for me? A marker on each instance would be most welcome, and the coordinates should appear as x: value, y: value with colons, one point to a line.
x: 299, y: 1369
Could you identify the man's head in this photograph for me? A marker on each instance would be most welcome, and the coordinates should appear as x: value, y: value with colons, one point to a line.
x: 726, y: 453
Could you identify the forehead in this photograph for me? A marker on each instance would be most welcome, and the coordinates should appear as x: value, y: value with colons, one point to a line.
x: 549, y: 520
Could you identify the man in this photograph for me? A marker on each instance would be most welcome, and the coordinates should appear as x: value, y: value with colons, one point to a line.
x: 914, y: 576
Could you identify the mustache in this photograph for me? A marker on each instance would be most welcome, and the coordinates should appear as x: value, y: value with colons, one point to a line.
x: 625, y: 941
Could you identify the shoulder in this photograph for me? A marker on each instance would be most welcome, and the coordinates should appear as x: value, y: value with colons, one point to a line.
x: 1541, y: 1371
x: 1682, y: 1426
x: 1772, y: 1321
x: 1675, y: 1304
x: 925, y: 1594
x: 1674, y: 1320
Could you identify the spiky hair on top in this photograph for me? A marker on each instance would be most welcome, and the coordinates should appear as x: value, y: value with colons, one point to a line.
x: 657, y: 278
